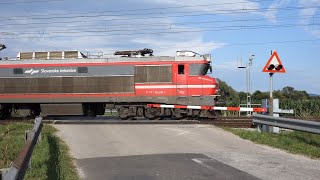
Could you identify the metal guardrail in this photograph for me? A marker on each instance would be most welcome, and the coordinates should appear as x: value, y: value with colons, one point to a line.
x: 20, y: 164
x: 288, y: 123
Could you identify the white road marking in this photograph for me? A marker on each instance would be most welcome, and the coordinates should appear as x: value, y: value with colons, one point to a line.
x: 201, y: 163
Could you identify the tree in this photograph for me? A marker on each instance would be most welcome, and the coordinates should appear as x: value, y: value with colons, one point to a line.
x: 242, y: 96
x: 290, y: 93
x: 228, y: 94
x: 288, y: 90
x: 279, y: 95
x: 258, y: 95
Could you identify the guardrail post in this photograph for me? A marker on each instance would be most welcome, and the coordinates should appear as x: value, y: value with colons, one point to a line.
x: 263, y: 128
x: 275, y: 129
x: 28, y: 135
x: 276, y: 113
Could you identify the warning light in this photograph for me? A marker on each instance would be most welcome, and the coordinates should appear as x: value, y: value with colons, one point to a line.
x: 271, y: 66
x: 276, y: 67
x: 279, y: 67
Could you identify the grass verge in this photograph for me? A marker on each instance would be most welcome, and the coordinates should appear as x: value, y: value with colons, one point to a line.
x: 50, y: 159
x: 294, y: 142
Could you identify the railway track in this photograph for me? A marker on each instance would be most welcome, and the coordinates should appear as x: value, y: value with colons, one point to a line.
x: 235, y: 122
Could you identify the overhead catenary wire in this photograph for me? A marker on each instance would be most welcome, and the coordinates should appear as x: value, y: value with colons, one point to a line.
x: 270, y: 42
x: 214, y: 11
x: 170, y: 30
x: 162, y: 16
x: 29, y: 2
x: 143, y: 9
x: 230, y: 28
x: 126, y: 25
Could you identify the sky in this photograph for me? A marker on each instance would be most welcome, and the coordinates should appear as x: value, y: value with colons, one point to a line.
x: 231, y: 31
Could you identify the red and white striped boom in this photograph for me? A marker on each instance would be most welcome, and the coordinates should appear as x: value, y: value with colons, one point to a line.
x: 209, y: 108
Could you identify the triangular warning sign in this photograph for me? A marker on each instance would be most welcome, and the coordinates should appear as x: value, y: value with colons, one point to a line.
x: 274, y: 64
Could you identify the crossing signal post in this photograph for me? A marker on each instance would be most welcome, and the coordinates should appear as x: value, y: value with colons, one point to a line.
x: 274, y: 65
x: 271, y: 95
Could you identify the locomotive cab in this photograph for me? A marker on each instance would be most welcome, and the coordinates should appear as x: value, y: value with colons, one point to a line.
x: 192, y: 80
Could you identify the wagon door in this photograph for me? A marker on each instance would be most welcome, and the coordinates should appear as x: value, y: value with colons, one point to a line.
x: 182, y: 83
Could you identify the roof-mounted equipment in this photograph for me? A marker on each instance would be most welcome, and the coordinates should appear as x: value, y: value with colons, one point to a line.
x: 186, y: 53
x: 130, y: 53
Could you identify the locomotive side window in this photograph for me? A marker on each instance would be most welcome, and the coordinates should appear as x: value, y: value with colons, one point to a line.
x: 199, y: 69
x: 82, y: 70
x: 153, y: 74
x: 17, y: 71
x: 181, y: 69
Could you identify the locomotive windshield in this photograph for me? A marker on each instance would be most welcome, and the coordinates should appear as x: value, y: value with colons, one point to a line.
x: 200, y: 69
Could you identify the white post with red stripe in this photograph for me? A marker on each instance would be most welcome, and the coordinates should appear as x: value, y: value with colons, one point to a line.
x: 209, y: 108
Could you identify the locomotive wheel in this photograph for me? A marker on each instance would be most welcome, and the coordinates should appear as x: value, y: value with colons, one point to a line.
x: 152, y: 113
x: 5, y: 112
x: 177, y: 114
x: 211, y: 114
x: 124, y: 113
x: 140, y: 112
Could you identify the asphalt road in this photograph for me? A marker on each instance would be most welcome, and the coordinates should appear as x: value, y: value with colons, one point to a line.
x: 177, y: 151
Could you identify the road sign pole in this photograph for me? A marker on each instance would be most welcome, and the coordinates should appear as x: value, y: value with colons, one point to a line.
x: 271, y: 95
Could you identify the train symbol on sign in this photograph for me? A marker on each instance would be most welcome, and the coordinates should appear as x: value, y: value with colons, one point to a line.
x: 274, y: 64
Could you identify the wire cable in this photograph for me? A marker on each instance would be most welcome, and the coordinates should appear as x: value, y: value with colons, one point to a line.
x: 225, y: 28
x: 144, y: 9
x: 166, y: 25
x: 157, y: 17
x: 29, y: 2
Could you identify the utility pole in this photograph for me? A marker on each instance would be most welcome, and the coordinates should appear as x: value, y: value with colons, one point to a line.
x: 248, y: 80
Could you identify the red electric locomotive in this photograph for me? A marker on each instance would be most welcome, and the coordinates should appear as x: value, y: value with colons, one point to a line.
x: 70, y: 83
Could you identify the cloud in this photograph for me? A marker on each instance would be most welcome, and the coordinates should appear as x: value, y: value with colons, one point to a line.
x: 168, y: 44
x: 226, y: 65
x: 312, y: 29
x: 212, y: 6
x: 271, y: 13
